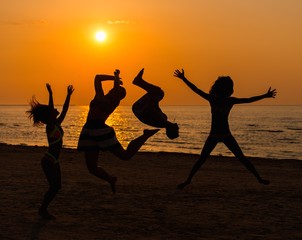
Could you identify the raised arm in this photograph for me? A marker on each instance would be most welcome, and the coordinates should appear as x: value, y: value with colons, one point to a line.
x: 117, y: 79
x: 270, y: 94
x: 50, y: 99
x: 98, y: 83
x: 70, y: 90
x: 103, y: 77
x: 181, y: 75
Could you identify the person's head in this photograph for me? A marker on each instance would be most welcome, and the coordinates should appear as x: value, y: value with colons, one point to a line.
x: 40, y: 113
x: 120, y: 92
x: 223, y: 87
x: 172, y: 130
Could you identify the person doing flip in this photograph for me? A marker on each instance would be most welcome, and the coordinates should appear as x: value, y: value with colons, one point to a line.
x: 147, y: 109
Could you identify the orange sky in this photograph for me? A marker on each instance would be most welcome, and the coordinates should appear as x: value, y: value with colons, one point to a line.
x: 257, y: 43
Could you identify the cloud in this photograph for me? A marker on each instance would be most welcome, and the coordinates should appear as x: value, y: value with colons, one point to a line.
x: 119, y: 22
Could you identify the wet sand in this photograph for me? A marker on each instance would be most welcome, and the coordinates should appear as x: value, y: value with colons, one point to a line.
x: 224, y: 200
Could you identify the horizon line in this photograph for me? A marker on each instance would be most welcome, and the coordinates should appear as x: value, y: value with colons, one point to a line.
x: 168, y: 105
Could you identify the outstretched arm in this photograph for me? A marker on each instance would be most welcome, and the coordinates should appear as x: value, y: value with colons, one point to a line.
x: 50, y: 99
x: 270, y: 94
x: 181, y: 75
x: 70, y: 90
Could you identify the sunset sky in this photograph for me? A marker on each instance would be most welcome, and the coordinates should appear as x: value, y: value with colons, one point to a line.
x: 258, y: 43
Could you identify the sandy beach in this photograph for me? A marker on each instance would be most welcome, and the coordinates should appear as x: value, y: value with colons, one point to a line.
x: 224, y: 200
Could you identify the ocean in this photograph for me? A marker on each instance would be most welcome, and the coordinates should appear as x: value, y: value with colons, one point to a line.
x: 261, y: 131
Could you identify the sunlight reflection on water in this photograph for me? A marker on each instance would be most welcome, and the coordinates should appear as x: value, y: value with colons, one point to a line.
x: 261, y: 131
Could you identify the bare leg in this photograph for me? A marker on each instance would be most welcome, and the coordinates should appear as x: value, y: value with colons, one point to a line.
x: 232, y: 144
x: 91, y: 158
x: 134, y: 145
x: 207, y: 149
x: 150, y: 88
x: 53, y: 175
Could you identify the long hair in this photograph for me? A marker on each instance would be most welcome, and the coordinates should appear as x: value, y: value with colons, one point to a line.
x: 38, y: 113
x: 222, y: 87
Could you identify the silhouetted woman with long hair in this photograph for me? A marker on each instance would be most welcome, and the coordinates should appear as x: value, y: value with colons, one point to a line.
x: 221, y: 104
x: 48, y: 115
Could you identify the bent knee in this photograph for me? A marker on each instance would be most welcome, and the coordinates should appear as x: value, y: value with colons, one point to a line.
x: 160, y: 94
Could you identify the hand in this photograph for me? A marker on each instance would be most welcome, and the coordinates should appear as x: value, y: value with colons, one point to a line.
x: 271, y: 93
x: 117, y: 76
x: 117, y: 72
x: 179, y: 74
x: 70, y: 89
x: 48, y: 88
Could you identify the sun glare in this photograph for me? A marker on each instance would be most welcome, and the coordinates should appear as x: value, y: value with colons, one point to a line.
x: 100, y: 36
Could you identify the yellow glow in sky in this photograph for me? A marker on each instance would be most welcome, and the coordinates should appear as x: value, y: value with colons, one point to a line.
x: 100, y: 36
x: 257, y: 43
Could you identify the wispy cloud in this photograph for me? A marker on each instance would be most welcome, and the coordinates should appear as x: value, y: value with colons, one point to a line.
x: 119, y: 22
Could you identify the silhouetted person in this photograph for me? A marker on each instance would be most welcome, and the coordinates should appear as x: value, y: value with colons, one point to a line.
x: 221, y: 104
x: 147, y: 109
x: 97, y: 136
x: 47, y: 114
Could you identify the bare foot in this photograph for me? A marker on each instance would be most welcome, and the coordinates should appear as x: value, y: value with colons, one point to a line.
x: 138, y: 78
x: 112, y: 183
x: 150, y: 132
x: 264, y: 182
x: 182, y: 185
x: 46, y: 215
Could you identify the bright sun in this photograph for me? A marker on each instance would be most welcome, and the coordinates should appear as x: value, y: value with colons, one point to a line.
x: 100, y: 36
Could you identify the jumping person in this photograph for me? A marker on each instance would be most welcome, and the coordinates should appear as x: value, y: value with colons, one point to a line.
x: 47, y: 114
x: 147, y: 109
x: 97, y: 136
x: 221, y: 104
